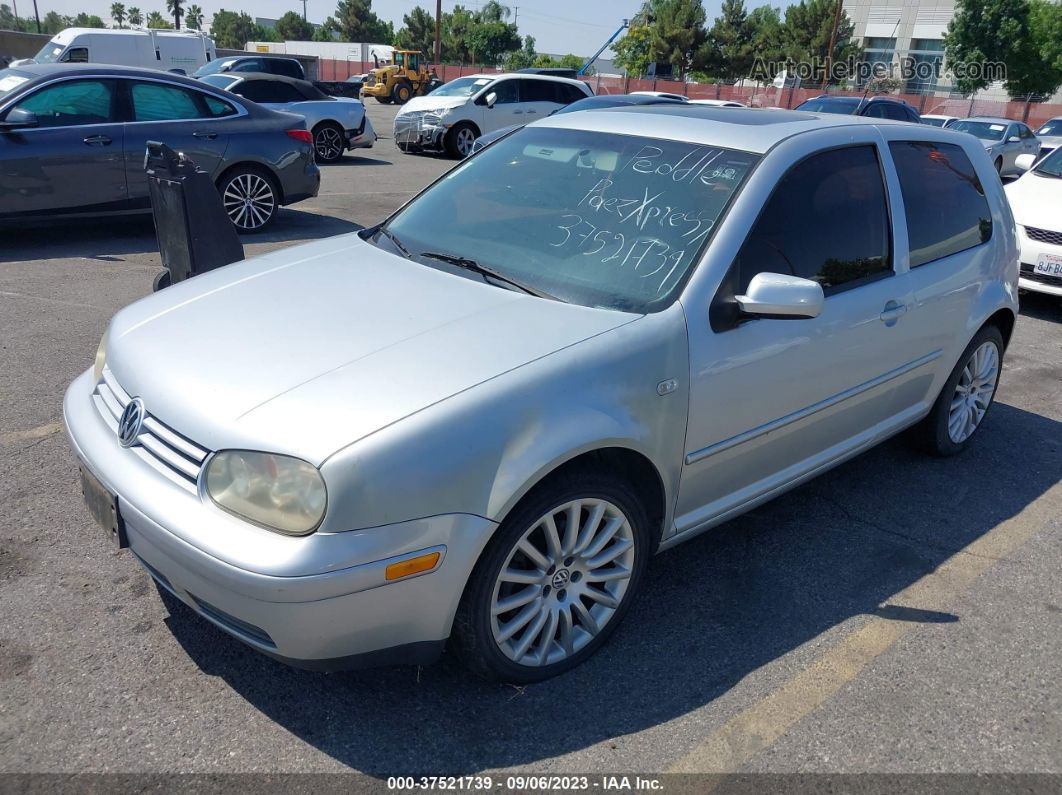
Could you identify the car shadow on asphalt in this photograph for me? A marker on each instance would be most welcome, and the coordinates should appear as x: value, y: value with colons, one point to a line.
x: 1041, y: 306
x: 359, y: 160
x: 112, y: 239
x: 712, y: 611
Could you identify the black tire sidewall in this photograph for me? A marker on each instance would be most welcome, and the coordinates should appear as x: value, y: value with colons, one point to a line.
x: 939, y: 440
x: 472, y: 637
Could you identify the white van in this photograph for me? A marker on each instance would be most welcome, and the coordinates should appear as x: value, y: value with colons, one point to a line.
x: 180, y: 51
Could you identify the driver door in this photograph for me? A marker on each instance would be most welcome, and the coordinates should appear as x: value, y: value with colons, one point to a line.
x: 507, y: 109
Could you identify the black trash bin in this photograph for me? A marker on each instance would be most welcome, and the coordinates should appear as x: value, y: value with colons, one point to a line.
x: 195, y: 234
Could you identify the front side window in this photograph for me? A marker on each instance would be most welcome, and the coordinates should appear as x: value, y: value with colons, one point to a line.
x: 593, y: 218
x: 830, y: 105
x: 827, y: 220
x: 72, y: 102
x: 253, y: 65
x: 76, y: 55
x: 158, y: 102
x: 507, y: 91
x: 943, y: 199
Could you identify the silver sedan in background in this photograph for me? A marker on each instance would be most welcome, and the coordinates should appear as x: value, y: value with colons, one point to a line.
x: 599, y: 337
x: 1004, y: 140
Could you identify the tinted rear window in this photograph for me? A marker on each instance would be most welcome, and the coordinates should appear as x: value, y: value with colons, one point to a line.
x: 943, y: 199
x: 830, y: 105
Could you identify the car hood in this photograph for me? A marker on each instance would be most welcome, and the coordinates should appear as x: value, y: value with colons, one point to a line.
x: 1036, y: 201
x: 1050, y: 141
x: 308, y: 349
x: 432, y: 103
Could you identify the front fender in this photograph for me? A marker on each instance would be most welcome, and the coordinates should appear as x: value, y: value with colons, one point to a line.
x: 479, y: 452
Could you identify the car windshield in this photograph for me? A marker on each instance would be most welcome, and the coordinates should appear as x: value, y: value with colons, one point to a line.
x: 592, y: 218
x: 213, y: 67
x: 462, y: 87
x: 49, y: 52
x: 1050, y: 166
x: 10, y: 80
x: 1053, y: 127
x: 830, y: 105
x: 985, y: 130
x: 219, y: 81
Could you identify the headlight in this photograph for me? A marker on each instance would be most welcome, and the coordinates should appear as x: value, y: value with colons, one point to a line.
x: 276, y: 491
x: 101, y: 357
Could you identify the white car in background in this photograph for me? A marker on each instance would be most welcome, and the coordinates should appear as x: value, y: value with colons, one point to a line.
x: 454, y: 115
x: 718, y: 103
x: 337, y: 123
x: 664, y: 94
x: 1004, y: 140
x: 1036, y: 200
x: 937, y: 120
x: 1050, y: 135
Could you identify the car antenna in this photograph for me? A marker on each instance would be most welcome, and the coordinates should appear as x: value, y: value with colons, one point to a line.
x: 866, y: 90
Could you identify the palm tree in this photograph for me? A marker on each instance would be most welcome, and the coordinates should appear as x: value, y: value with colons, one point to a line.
x: 135, y: 17
x: 194, y: 17
x: 118, y: 13
x: 156, y: 20
x: 175, y: 8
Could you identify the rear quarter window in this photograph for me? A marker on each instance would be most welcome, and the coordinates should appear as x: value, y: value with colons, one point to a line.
x: 943, y: 200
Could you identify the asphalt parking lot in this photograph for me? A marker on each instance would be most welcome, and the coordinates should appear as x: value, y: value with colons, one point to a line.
x: 898, y: 614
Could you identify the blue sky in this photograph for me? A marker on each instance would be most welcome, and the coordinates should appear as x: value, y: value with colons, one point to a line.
x: 558, y: 26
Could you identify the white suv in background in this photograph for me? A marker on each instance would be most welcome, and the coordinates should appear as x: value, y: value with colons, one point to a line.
x: 454, y: 115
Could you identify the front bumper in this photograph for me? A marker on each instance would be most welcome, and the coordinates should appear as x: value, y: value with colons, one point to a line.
x: 1030, y: 254
x: 319, y: 601
x: 416, y: 132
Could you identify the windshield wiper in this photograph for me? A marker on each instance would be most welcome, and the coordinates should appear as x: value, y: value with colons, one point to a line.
x: 394, y: 239
x: 490, y: 273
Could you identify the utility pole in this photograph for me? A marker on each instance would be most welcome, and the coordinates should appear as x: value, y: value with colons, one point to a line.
x: 833, y: 43
x: 14, y: 4
x: 303, y: 10
x: 438, y: 26
x: 37, y: 16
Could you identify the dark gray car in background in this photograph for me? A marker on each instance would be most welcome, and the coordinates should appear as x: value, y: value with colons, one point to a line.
x: 72, y: 140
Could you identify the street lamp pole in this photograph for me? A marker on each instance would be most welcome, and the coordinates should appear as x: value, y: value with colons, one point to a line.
x: 438, y: 24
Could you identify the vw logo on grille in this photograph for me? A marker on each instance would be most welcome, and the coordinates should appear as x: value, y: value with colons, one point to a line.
x: 561, y: 578
x: 130, y: 422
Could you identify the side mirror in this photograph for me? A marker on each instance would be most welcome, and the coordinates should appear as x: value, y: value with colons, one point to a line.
x: 779, y: 296
x: 491, y: 99
x: 1025, y: 162
x: 18, y: 119
x: 1014, y: 139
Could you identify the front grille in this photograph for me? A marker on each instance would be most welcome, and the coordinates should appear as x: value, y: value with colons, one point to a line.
x: 409, y: 126
x: 1028, y: 273
x: 169, y: 452
x: 1043, y: 235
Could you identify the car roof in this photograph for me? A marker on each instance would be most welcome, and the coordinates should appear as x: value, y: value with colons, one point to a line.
x: 749, y: 129
x: 993, y: 119
x: 264, y: 76
x: 528, y: 76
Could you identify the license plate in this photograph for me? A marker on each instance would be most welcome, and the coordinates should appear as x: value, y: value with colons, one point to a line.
x: 1049, y: 265
x: 104, y: 508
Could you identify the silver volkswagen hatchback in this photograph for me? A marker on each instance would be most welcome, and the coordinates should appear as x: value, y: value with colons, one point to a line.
x: 602, y: 335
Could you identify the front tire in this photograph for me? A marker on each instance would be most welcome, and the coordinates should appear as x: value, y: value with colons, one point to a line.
x: 966, y: 397
x: 250, y: 198
x: 460, y: 139
x: 402, y: 92
x: 327, y: 142
x: 555, y: 581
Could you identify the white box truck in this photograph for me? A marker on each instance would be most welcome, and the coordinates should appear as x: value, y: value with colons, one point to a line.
x: 180, y: 51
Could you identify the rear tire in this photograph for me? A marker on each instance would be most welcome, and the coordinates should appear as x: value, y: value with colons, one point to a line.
x: 250, y: 198
x: 402, y: 92
x: 459, y: 140
x: 534, y: 608
x: 328, y: 142
x: 967, y: 395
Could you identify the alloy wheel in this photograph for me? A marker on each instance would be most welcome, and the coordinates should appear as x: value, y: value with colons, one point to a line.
x: 328, y: 144
x: 973, y: 392
x: 249, y: 201
x: 465, y: 138
x: 562, y: 582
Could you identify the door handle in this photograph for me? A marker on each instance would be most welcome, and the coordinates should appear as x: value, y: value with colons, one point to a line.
x: 892, y: 312
x: 98, y: 140
x: 210, y: 136
x: 532, y: 111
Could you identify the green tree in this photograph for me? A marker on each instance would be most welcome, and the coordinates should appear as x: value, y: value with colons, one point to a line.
x: 8, y: 20
x: 135, y: 17
x: 53, y: 23
x: 118, y: 14
x: 156, y: 20
x: 767, y: 33
x: 807, y: 31
x: 634, y: 52
x: 730, y: 49
x: 194, y: 18
x: 326, y: 30
x: 984, y: 31
x: 522, y: 58
x: 84, y: 20
x: 292, y: 27
x: 358, y: 22
x: 232, y: 31
x: 677, y: 33
x: 1034, y: 68
x: 417, y: 32
x: 176, y: 9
